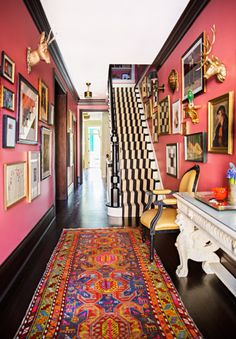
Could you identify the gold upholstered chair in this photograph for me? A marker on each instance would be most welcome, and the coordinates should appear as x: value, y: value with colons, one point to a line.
x: 160, y: 215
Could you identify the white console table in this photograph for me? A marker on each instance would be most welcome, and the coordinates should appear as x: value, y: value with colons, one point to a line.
x: 203, y: 230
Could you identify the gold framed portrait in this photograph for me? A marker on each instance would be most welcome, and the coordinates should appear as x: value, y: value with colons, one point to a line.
x: 43, y: 101
x: 220, y: 124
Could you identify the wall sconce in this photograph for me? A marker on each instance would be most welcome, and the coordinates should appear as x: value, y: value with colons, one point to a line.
x: 190, y: 109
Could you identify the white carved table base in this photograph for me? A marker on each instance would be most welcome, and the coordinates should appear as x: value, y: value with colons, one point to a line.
x: 193, y: 243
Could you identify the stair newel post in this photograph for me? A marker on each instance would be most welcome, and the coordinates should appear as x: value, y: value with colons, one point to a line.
x: 115, y: 191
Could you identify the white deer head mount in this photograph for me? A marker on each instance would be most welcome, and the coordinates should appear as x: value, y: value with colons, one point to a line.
x: 41, y: 53
x: 213, y: 65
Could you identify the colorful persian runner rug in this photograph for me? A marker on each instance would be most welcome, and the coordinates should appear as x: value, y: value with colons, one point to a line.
x: 100, y: 284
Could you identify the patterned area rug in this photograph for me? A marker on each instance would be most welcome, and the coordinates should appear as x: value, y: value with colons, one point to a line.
x: 100, y: 284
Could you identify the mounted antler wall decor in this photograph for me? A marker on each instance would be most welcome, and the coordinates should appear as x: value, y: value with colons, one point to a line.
x: 41, y: 53
x: 213, y: 65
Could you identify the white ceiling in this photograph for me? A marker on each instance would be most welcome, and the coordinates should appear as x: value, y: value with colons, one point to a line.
x: 92, y: 34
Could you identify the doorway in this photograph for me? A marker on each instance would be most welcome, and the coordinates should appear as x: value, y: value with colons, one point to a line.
x: 94, y: 148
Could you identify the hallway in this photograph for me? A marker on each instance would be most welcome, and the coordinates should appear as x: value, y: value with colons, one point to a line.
x: 209, y: 303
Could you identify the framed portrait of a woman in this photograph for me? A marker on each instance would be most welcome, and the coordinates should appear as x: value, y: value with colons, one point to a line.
x: 220, y: 124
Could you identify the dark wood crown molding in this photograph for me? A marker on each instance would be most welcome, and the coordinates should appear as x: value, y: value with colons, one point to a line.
x: 187, y: 18
x: 38, y: 15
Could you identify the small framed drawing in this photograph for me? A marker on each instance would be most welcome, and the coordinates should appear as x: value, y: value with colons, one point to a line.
x: 195, y: 147
x: 15, y: 176
x: 46, y: 152
x: 9, y: 132
x: 33, y: 175
x: 164, y: 123
x: 155, y: 127
x: 220, y: 124
x: 176, y: 117
x: 51, y: 115
x: 8, y: 68
x: 27, y: 112
x: 192, y: 72
x: 43, y: 101
x: 7, y: 99
x: 172, y: 160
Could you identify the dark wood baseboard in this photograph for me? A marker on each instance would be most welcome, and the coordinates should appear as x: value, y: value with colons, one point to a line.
x: 12, y: 267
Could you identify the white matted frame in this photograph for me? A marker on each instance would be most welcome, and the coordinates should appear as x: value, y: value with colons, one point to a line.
x: 15, y: 183
x: 33, y: 175
x: 176, y: 117
x: 172, y: 160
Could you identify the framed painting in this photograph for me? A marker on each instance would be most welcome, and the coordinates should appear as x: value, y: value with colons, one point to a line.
x: 220, y: 124
x: 172, y: 160
x: 9, y: 132
x: 33, y: 175
x: 147, y: 109
x: 164, y: 123
x: 192, y: 72
x: 155, y: 95
x: 155, y: 127
x: 176, y: 117
x: 27, y: 112
x: 43, y: 101
x: 7, y: 99
x: 51, y: 114
x: 195, y: 147
x: 46, y: 152
x: 8, y: 68
x: 144, y: 88
x: 15, y: 176
x: 69, y: 121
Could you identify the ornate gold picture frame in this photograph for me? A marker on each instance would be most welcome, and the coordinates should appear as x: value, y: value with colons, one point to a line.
x: 43, y: 101
x: 220, y: 124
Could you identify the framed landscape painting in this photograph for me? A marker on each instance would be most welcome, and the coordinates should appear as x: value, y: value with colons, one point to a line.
x: 192, y: 71
x: 34, y: 175
x: 195, y: 147
x: 27, y: 112
x: 15, y: 176
x: 46, y: 152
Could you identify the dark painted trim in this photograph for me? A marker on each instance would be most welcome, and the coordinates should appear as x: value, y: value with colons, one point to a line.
x: 12, y: 267
x: 187, y: 18
x: 38, y: 15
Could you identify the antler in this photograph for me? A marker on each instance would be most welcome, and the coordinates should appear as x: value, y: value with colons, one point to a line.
x: 48, y: 39
x: 208, y: 47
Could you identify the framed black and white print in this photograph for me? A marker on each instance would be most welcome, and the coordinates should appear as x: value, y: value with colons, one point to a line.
x: 172, y: 160
x: 9, y: 132
x: 192, y: 71
x: 33, y: 175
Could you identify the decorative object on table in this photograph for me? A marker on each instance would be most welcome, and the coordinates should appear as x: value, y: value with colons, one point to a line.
x: 43, y: 101
x: 164, y: 123
x: 15, y: 178
x: 7, y: 99
x: 192, y: 74
x: 231, y: 175
x: 195, y: 147
x: 190, y: 109
x: 220, y: 193
x: 46, y: 152
x: 155, y: 127
x: 176, y: 117
x: 41, y: 53
x: 105, y: 273
x: 33, y: 175
x: 213, y: 65
x: 51, y: 114
x: 173, y: 81
x: 220, y: 124
x: 172, y: 160
x: 209, y: 199
x: 9, y: 132
x: 27, y: 112
x: 8, y: 68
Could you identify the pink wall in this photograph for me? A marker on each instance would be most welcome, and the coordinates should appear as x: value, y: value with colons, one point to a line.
x: 223, y: 16
x: 17, y: 33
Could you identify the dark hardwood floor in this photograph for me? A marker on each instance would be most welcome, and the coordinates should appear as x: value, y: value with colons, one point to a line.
x: 209, y: 303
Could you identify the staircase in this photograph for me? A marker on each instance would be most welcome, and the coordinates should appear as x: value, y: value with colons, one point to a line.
x: 138, y: 168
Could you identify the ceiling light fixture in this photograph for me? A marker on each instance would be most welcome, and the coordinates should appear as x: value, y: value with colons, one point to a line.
x: 88, y: 94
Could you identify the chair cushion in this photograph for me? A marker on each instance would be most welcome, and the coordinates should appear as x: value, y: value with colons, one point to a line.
x: 166, y: 221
